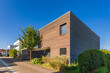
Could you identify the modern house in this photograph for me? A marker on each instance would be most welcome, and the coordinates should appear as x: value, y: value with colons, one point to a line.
x: 68, y: 36
x: 10, y: 46
x: 16, y: 46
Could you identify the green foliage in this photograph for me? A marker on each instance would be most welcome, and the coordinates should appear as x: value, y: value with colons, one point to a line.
x: 45, y: 59
x: 30, y: 37
x: 108, y: 61
x: 102, y: 69
x: 36, y: 61
x: 12, y: 52
x: 107, y: 58
x: 22, y: 46
x: 90, y: 60
x: 72, y: 68
x: 105, y: 51
x: 58, y: 62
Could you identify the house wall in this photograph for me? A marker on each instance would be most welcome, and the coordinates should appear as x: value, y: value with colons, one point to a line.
x: 81, y: 37
x: 51, y: 36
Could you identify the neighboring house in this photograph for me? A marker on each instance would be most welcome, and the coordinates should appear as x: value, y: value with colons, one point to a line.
x: 2, y: 51
x: 10, y: 47
x: 68, y: 36
x: 16, y: 46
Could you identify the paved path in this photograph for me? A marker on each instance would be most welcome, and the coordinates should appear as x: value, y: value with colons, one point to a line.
x: 25, y: 67
x: 4, y: 68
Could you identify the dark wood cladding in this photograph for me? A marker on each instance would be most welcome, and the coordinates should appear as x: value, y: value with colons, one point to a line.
x: 81, y: 37
x: 78, y: 37
x: 51, y: 36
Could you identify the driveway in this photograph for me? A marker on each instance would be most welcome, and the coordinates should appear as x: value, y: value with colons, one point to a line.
x: 25, y: 67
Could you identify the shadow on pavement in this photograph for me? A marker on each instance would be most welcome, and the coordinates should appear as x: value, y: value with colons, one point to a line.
x: 10, y: 61
x: 3, y: 71
x: 26, y: 65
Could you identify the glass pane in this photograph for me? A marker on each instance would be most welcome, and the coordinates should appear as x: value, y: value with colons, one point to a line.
x: 63, y: 51
x: 63, y: 29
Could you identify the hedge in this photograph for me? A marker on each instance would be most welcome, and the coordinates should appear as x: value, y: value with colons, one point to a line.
x: 12, y: 52
x: 90, y: 60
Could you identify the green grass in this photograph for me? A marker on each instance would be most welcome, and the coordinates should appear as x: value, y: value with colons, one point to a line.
x: 102, y: 69
x: 47, y: 66
x: 73, y: 68
x: 71, y: 71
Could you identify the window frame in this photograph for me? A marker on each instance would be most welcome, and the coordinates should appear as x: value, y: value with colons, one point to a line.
x: 61, y: 29
x: 65, y: 52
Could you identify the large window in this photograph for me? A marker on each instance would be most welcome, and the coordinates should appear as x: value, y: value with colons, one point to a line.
x: 63, y: 29
x: 62, y: 51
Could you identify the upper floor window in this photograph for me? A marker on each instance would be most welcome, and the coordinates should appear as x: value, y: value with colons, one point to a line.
x: 63, y: 29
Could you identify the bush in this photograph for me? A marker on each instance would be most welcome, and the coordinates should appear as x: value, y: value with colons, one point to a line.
x: 12, y: 52
x: 108, y: 61
x: 105, y: 51
x: 58, y: 62
x: 36, y: 61
x: 107, y: 58
x: 45, y: 59
x: 72, y: 68
x: 90, y: 60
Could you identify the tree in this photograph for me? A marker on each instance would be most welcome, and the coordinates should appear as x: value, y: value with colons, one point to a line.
x: 30, y: 38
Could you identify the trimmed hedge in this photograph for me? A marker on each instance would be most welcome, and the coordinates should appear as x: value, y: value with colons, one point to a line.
x: 90, y: 60
x: 12, y: 52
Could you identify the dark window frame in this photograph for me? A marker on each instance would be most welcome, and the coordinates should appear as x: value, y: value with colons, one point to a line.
x: 63, y: 53
x: 61, y: 29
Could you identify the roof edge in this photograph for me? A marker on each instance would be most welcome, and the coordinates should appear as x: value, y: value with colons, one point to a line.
x: 55, y: 19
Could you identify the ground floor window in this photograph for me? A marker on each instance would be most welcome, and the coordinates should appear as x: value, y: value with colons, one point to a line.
x: 62, y: 51
x: 47, y: 52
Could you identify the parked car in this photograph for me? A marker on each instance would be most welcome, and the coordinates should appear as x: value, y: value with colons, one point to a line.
x: 0, y: 54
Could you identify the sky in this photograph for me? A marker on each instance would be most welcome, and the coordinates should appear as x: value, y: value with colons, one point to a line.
x: 38, y: 13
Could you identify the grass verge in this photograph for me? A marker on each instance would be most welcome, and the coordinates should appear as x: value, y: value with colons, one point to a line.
x: 102, y: 69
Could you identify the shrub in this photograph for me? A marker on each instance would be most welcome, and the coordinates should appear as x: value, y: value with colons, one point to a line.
x: 36, y: 61
x: 70, y: 68
x: 58, y: 62
x: 108, y: 61
x: 90, y: 60
x: 105, y: 51
x: 12, y: 52
x: 107, y: 58
x: 45, y: 59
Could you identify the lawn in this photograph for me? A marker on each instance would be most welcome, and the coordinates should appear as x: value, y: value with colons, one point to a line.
x: 102, y: 69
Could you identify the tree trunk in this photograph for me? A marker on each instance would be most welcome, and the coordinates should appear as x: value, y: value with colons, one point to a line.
x: 30, y: 55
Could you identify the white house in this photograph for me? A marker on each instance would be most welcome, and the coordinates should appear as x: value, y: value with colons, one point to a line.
x: 16, y: 46
x: 10, y: 47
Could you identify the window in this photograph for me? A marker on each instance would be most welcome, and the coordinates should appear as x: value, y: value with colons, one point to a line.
x: 47, y: 52
x: 62, y: 51
x: 63, y: 29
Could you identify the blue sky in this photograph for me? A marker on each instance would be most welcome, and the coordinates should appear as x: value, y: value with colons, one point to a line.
x: 38, y: 13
